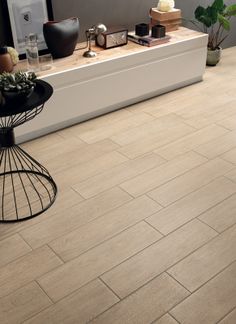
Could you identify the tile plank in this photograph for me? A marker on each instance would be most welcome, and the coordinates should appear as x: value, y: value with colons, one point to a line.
x: 151, y: 142
x: 22, y: 304
x: 12, y: 248
x: 95, y: 262
x: 157, y: 258
x: 222, y: 215
x: 26, y: 269
x: 80, y: 307
x: 210, y: 303
x: 117, y: 175
x: 76, y: 216
x: 190, y: 142
x: 151, y: 179
x: 207, y: 261
x: 191, y: 206
x: 145, y: 305
x: 189, y: 181
x: 79, y: 241
x: 101, y: 133
x: 230, y: 318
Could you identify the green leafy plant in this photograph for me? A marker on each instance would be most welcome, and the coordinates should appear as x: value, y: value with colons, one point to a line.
x: 215, y: 20
x: 21, y: 82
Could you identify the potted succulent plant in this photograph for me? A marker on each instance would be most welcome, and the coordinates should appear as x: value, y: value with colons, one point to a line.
x: 17, y: 87
x: 215, y: 20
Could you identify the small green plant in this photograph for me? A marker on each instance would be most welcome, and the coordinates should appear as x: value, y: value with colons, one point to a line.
x: 215, y: 20
x: 17, y: 82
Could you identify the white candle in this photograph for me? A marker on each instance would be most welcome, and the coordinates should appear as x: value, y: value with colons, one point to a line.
x: 165, y: 5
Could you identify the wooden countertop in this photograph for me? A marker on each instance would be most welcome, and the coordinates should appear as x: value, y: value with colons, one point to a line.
x: 77, y: 60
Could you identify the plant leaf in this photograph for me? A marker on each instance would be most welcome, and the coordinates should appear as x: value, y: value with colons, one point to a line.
x: 218, y: 5
x: 230, y: 10
x: 224, y: 22
x: 202, y: 15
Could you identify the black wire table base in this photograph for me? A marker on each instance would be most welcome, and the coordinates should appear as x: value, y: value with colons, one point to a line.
x: 26, y: 186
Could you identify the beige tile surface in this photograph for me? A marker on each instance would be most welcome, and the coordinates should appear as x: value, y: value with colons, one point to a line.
x: 190, y: 142
x: 150, y: 142
x: 67, y: 220
x: 26, y: 269
x: 229, y: 123
x: 230, y: 318
x: 12, y: 248
x: 162, y: 174
x: 78, y: 241
x: 23, y: 303
x: 207, y: 261
x: 191, y: 206
x: 210, y: 303
x: 145, y: 305
x: 222, y: 215
x: 91, y: 168
x: 101, y: 133
x: 230, y: 156
x: 152, y: 128
x: 166, y: 319
x: 64, y: 201
x: 218, y: 146
x: 109, y: 236
x: 190, y: 181
x: 117, y: 175
x: 79, y: 307
x: 220, y: 113
x: 93, y: 124
x: 81, y: 155
x: 95, y: 262
x: 157, y: 258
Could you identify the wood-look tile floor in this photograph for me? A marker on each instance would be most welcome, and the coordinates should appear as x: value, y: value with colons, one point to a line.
x: 144, y: 227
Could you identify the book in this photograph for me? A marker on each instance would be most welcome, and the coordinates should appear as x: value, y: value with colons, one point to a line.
x: 147, y: 40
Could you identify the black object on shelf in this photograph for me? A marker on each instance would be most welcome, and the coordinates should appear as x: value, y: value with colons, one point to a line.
x: 61, y: 37
x: 27, y: 189
x: 142, y: 29
x: 158, y: 31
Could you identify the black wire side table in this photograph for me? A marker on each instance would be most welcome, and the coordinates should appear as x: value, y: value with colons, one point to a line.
x: 26, y: 187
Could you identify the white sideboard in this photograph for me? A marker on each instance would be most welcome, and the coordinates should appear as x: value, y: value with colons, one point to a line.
x: 85, y: 88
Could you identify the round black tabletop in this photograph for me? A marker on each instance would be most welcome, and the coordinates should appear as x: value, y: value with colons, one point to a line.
x: 42, y: 92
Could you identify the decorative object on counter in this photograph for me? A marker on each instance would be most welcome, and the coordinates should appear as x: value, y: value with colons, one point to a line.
x: 25, y: 17
x: 6, y: 64
x: 113, y: 37
x: 17, y: 87
x: 45, y: 62
x: 165, y: 5
x: 61, y: 36
x: 214, y: 20
x: 14, y: 54
x: 90, y: 34
x: 142, y: 29
x: 171, y: 19
x: 32, y: 53
x: 147, y: 40
x: 158, y: 31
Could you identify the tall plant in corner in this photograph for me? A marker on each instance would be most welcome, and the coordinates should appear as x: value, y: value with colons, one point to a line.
x: 215, y: 20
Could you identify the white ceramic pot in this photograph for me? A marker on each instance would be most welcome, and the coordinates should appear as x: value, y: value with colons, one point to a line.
x: 213, y: 56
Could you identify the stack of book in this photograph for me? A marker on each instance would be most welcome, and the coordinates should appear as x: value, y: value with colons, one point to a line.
x: 171, y: 19
x: 147, y: 40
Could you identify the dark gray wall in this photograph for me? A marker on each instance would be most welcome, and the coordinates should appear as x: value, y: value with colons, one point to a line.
x: 188, y: 8
x: 114, y: 12
x: 109, y: 12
